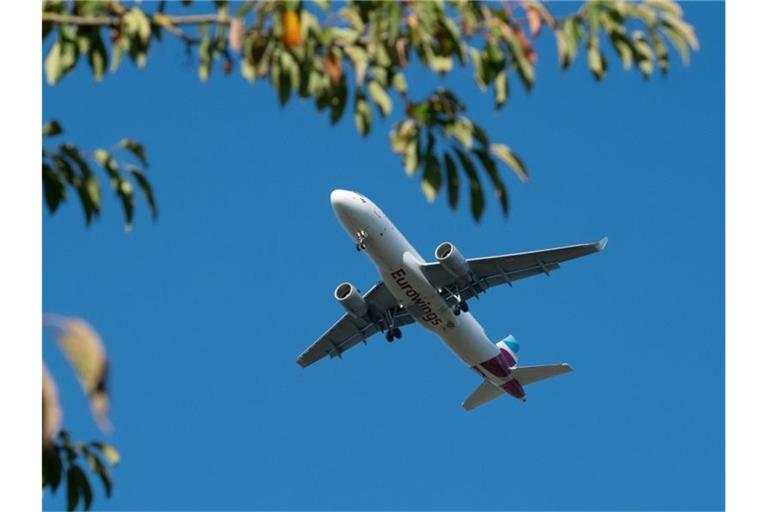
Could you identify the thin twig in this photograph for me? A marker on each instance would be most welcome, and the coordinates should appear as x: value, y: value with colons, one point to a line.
x: 113, y: 21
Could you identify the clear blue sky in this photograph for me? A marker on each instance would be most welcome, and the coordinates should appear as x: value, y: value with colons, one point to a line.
x: 205, y: 311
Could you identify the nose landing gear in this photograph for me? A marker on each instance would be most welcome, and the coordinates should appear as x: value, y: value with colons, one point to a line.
x: 360, y: 237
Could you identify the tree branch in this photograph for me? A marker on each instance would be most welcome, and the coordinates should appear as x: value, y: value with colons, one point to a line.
x: 113, y: 21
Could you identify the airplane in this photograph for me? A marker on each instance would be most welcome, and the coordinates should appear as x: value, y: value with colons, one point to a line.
x: 434, y: 294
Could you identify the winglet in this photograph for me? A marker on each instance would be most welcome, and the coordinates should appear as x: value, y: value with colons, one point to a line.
x: 602, y: 243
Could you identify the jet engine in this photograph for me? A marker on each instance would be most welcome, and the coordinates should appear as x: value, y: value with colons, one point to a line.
x: 452, y: 260
x: 351, y: 300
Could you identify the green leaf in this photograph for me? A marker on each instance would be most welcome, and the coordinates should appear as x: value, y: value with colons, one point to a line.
x: 136, y: 149
x: 362, y: 114
x: 52, y: 468
x: 124, y: 191
x: 681, y: 27
x: 88, y: 199
x: 98, y: 467
x: 563, y: 54
x: 136, y: 31
x: 623, y: 46
x: 110, y: 454
x: 525, y: 70
x: 97, y: 55
x: 146, y: 188
x: 678, y: 41
x: 78, y: 486
x: 399, y: 83
x: 206, y: 62
x: 117, y: 55
x: 380, y: 98
x: 478, y: 62
x: 69, y: 51
x: 440, y: 63
x: 359, y: 59
x: 352, y: 16
x: 500, y: 86
x: 73, y: 488
x: 666, y: 6
x: 493, y: 173
x: 460, y: 129
x: 568, y: 37
x: 662, y: 53
x: 453, y: 180
x: 412, y: 155
x: 52, y: 128
x: 477, y: 200
x: 248, y: 70
x: 513, y: 161
x: 338, y: 99
x: 596, y: 62
x: 54, y: 188
x: 480, y: 135
x: 393, y: 21
x: 52, y: 65
x: 644, y: 54
x: 432, y: 179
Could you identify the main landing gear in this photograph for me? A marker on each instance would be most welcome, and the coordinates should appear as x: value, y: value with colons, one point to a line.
x: 460, y: 307
x: 394, y: 333
x: 360, y: 237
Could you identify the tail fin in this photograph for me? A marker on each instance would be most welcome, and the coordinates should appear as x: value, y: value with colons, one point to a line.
x: 511, y: 345
x: 530, y: 374
x: 486, y: 392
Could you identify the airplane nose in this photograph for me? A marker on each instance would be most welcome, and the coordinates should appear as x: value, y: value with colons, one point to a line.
x: 343, y: 201
x: 338, y: 196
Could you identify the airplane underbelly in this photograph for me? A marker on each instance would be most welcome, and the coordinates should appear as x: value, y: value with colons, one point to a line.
x: 462, y: 334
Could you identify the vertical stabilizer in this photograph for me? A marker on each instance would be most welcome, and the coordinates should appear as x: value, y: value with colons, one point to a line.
x: 511, y: 346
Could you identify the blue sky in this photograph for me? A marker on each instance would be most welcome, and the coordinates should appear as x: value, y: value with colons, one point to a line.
x: 205, y: 311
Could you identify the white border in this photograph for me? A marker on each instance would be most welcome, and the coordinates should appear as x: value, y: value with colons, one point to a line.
x: 746, y: 196
x: 21, y: 256
x: 746, y: 219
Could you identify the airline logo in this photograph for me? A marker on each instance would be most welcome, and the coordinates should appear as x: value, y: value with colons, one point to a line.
x: 416, y: 300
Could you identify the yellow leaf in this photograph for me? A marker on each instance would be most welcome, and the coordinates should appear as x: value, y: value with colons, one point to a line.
x: 51, y: 408
x: 84, y: 350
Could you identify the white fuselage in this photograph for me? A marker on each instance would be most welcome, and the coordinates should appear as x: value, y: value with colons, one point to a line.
x: 399, y: 265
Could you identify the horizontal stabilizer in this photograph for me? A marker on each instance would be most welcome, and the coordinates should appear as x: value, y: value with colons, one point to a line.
x: 530, y: 374
x: 485, y: 392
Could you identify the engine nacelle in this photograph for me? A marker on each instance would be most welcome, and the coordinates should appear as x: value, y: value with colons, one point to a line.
x: 452, y: 260
x: 351, y: 300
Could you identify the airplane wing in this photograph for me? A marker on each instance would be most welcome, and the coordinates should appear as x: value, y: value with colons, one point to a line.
x: 348, y: 331
x: 495, y: 270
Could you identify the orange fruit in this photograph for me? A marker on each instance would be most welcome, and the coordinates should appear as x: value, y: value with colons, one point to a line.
x: 291, y: 29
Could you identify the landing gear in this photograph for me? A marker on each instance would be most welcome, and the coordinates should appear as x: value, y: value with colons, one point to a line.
x: 460, y: 307
x: 394, y: 333
x: 360, y: 237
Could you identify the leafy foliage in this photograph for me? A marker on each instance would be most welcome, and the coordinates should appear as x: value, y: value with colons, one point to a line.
x: 350, y: 56
x: 85, y: 352
x: 63, y: 462
x: 65, y: 167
